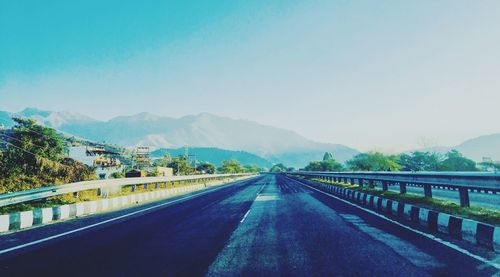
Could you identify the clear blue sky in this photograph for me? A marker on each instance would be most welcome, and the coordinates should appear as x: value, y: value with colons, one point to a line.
x: 386, y: 75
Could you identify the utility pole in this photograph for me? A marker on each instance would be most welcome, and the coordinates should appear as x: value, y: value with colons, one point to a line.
x: 194, y: 156
x: 194, y: 164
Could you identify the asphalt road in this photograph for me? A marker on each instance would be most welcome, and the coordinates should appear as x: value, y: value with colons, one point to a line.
x: 265, y: 226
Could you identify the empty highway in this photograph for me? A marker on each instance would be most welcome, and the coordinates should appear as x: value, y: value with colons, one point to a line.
x: 268, y: 225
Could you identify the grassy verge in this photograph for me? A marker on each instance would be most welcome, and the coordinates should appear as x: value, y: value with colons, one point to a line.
x: 84, y: 196
x: 490, y: 216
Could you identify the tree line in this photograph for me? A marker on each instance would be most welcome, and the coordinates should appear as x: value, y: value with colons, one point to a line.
x: 414, y: 161
x: 181, y: 166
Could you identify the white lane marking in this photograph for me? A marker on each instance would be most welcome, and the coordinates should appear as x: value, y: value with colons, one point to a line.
x: 267, y: 197
x: 261, y: 189
x: 106, y: 221
x: 402, y: 247
x: 446, y: 243
x: 257, y: 197
x: 245, y: 216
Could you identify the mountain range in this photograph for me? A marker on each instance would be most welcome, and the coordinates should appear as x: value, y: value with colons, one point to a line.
x: 202, y: 130
x: 487, y: 146
x: 212, y: 131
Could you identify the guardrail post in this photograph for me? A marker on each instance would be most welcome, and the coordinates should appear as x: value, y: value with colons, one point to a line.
x: 464, y: 197
x: 156, y: 185
x: 384, y: 185
x: 371, y: 183
x: 402, y: 187
x: 133, y: 188
x: 352, y: 181
x: 75, y: 194
x: 427, y: 190
x: 146, y: 186
x: 105, y: 193
x: 360, y: 182
x: 99, y: 192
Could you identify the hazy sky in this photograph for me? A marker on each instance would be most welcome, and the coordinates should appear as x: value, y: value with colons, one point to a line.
x: 385, y: 75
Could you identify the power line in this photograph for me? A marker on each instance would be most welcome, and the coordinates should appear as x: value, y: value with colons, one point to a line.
x: 33, y: 131
x: 29, y: 152
x: 39, y: 146
x: 11, y: 144
x: 21, y: 140
x: 41, y: 134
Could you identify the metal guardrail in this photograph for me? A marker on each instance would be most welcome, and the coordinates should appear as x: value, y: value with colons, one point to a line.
x: 461, y: 181
x: 103, y: 186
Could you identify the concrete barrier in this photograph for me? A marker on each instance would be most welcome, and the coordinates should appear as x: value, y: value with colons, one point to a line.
x: 4, y: 223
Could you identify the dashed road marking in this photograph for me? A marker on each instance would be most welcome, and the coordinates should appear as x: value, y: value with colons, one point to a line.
x: 245, y: 216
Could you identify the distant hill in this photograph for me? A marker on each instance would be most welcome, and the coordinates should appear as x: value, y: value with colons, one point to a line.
x: 475, y: 149
x: 215, y: 155
x: 483, y: 146
x: 202, y: 130
x: 5, y: 119
x: 211, y: 131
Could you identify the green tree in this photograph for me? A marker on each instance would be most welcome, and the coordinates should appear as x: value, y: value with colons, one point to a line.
x: 490, y: 166
x: 278, y: 168
x: 420, y: 161
x: 117, y: 175
x: 252, y: 169
x: 455, y: 161
x: 29, y: 144
x: 180, y: 166
x: 231, y: 166
x: 373, y: 161
x: 163, y: 161
x: 35, y: 156
x: 207, y: 168
x: 328, y: 156
x: 313, y: 166
x: 325, y: 165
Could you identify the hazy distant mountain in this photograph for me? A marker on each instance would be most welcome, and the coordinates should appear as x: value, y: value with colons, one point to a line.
x: 5, y: 119
x: 202, y: 130
x: 215, y: 155
x: 56, y: 120
x: 483, y: 146
x: 475, y: 149
x: 208, y: 130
